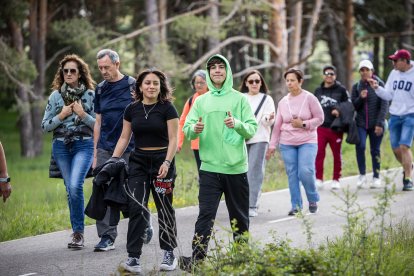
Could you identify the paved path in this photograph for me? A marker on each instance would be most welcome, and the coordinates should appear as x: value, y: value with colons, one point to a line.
x: 47, y: 255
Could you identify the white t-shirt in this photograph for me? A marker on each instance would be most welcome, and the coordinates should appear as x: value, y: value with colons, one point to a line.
x: 399, y: 89
x: 262, y: 118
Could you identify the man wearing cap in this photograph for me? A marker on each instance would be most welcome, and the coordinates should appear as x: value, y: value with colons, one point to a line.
x: 399, y: 89
x: 370, y: 119
x: 331, y: 93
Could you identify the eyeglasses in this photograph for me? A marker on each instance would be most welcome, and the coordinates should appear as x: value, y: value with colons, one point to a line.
x: 200, y: 83
x: 253, y: 81
x: 329, y: 74
x: 71, y: 70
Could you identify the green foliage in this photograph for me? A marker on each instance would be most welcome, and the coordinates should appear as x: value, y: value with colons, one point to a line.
x: 15, y: 68
x: 192, y: 29
x: 76, y: 32
x: 13, y: 9
x: 365, y: 248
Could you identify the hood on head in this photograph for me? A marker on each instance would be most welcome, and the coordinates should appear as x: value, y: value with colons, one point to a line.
x: 228, y: 82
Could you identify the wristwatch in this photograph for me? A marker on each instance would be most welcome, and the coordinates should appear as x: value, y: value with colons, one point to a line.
x: 5, y: 179
x: 303, y: 125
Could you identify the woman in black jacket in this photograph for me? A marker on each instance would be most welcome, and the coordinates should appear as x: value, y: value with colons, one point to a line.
x: 370, y: 119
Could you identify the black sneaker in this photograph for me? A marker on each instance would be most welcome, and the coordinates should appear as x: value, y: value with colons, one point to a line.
x: 313, y: 207
x: 169, y: 262
x: 186, y: 264
x: 148, y: 233
x: 407, y: 185
x: 293, y: 212
x: 105, y: 244
x: 77, y: 241
x: 132, y: 265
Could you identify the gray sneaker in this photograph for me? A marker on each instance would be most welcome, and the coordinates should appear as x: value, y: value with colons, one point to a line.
x: 132, y: 265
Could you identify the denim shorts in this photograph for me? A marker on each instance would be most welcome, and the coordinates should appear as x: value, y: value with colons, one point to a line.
x: 401, y: 130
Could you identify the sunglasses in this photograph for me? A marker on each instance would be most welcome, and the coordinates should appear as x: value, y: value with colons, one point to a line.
x: 72, y: 71
x: 329, y: 74
x: 254, y: 81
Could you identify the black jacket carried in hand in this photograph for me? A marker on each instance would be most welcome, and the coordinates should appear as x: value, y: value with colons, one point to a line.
x: 108, y: 189
x: 331, y: 98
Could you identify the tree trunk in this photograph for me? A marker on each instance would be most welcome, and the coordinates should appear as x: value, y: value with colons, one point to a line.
x: 38, y: 27
x: 335, y: 50
x: 376, y: 55
x: 295, y: 39
x: 162, y: 4
x: 278, y: 36
x: 152, y: 19
x: 25, y: 117
x: 408, y: 24
x: 213, y: 39
x: 349, y: 26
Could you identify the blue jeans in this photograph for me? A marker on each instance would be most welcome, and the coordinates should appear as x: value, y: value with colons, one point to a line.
x: 375, y: 145
x: 74, y: 161
x: 401, y: 130
x: 300, y: 167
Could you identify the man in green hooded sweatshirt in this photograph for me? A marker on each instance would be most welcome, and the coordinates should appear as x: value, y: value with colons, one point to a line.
x: 223, y: 120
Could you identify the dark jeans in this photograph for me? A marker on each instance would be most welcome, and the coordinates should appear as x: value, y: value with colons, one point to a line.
x: 236, y: 191
x: 143, y: 171
x: 375, y: 145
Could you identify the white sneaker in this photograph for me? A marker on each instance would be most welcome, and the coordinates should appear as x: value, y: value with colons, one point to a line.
x: 376, y: 183
x: 335, y: 185
x: 362, y: 180
x: 253, y: 212
x: 319, y: 184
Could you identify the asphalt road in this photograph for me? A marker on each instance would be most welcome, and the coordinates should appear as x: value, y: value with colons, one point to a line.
x: 47, y: 254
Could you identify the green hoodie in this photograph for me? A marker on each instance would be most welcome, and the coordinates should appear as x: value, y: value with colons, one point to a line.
x: 222, y: 149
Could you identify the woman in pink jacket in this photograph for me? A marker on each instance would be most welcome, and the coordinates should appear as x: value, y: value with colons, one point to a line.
x: 294, y: 132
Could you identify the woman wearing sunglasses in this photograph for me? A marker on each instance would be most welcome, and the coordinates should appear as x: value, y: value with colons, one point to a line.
x: 70, y: 116
x: 255, y: 89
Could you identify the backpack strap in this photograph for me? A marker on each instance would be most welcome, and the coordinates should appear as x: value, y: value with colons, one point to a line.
x: 260, y: 105
x: 131, y: 82
x: 100, y: 85
x: 190, y: 101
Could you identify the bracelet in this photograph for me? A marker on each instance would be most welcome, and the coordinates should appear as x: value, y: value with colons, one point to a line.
x: 167, y: 163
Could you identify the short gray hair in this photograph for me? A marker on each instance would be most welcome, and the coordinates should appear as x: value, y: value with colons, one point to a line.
x: 113, y: 56
x: 198, y: 73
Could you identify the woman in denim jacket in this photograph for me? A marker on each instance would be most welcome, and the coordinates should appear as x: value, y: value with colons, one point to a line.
x: 69, y: 114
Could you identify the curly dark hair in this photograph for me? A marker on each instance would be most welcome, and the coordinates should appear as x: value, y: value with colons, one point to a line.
x: 166, y: 90
x: 243, y: 87
x: 85, y: 74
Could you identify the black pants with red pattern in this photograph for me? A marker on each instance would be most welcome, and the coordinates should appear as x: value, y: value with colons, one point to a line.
x: 236, y: 192
x: 143, y: 171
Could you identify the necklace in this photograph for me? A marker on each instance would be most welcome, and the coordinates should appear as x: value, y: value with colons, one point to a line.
x: 147, y: 113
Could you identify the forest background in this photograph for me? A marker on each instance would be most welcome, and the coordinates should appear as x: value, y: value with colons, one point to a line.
x: 176, y: 36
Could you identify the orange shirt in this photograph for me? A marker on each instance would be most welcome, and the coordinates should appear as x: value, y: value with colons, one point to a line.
x: 186, y: 109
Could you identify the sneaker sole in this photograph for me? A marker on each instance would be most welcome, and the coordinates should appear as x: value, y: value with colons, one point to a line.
x: 131, y: 269
x: 164, y: 267
x: 75, y: 246
x: 112, y: 247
